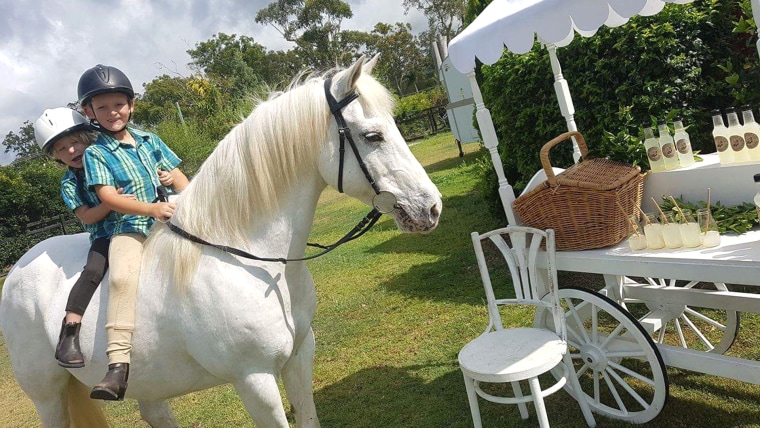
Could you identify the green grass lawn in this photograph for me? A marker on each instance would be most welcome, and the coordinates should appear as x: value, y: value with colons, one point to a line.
x: 393, y: 312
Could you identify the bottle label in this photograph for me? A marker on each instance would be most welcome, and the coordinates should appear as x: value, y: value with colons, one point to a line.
x: 654, y: 154
x: 751, y: 140
x: 721, y: 143
x: 668, y: 150
x: 737, y: 143
x: 683, y: 145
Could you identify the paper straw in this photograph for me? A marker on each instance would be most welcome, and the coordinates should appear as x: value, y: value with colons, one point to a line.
x: 630, y: 221
x: 675, y: 204
x: 646, y: 219
x: 665, y: 220
x: 707, y: 225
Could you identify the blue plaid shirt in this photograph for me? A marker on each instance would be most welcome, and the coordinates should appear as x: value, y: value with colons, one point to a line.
x: 133, y: 168
x: 75, y: 194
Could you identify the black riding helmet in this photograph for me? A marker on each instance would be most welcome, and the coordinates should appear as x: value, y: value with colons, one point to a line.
x: 103, y: 79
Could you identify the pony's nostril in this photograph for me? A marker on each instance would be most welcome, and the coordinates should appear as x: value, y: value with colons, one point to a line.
x: 435, y: 211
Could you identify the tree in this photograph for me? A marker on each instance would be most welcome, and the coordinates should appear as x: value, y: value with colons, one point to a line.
x: 404, y: 65
x: 158, y: 99
x: 227, y: 60
x: 23, y: 143
x: 444, y: 16
x: 313, y: 25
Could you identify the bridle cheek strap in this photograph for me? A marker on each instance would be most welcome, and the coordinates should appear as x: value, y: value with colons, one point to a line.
x: 344, y: 134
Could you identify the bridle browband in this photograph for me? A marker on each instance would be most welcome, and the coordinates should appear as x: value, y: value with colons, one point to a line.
x: 360, y: 229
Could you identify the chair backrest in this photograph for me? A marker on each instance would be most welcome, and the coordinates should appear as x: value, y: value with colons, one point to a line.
x: 533, y: 285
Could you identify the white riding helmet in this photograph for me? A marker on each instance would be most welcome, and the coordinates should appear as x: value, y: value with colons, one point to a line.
x: 55, y: 123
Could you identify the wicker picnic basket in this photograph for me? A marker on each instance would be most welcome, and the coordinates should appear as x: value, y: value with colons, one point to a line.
x: 581, y: 203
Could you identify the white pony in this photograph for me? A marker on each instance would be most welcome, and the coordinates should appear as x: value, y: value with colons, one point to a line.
x: 219, y: 318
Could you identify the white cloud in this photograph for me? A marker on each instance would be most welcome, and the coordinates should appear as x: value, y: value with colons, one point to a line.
x: 45, y: 46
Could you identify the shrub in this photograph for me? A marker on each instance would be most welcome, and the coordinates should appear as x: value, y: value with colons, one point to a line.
x: 686, y: 60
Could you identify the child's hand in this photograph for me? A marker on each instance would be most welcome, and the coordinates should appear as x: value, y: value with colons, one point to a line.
x: 128, y: 195
x: 162, y: 211
x: 165, y: 178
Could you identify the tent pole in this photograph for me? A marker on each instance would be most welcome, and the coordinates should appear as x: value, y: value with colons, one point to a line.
x: 487, y: 131
x: 563, y: 96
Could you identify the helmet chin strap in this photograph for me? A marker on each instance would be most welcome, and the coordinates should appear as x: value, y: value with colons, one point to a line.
x: 95, y: 124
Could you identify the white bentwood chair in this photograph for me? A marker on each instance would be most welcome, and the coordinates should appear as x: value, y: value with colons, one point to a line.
x: 511, y: 355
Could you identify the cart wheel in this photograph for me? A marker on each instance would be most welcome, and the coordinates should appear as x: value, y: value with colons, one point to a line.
x: 703, y: 329
x: 620, y: 370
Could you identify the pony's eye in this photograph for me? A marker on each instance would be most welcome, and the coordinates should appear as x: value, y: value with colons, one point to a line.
x: 373, y: 137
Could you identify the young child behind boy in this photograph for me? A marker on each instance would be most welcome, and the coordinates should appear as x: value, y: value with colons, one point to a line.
x: 65, y: 134
x: 126, y: 158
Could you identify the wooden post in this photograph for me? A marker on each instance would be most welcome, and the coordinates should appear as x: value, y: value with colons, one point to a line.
x: 63, y: 223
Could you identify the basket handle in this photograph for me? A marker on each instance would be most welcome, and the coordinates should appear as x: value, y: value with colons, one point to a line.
x: 544, y: 154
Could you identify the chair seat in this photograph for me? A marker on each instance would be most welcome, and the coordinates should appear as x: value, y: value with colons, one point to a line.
x: 512, y: 354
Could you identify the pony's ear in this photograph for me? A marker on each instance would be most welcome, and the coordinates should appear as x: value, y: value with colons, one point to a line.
x: 370, y: 65
x: 345, y: 81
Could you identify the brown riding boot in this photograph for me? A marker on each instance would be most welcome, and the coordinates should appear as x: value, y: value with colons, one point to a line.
x: 67, y: 351
x: 114, y: 384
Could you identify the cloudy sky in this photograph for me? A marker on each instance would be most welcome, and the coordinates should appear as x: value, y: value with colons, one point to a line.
x: 46, y: 45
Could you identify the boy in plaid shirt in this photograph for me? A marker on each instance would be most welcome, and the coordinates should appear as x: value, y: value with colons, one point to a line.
x: 125, y: 158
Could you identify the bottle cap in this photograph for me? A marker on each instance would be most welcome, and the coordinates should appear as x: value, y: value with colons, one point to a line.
x: 715, y: 112
x: 746, y: 107
x: 677, y: 119
x: 756, y: 178
x: 731, y: 110
x: 661, y: 122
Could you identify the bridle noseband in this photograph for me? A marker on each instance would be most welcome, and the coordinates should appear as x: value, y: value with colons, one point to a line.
x: 383, y: 202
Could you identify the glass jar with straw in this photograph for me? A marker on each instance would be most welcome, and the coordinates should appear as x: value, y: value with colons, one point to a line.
x: 671, y: 230
x: 708, y: 227
x: 652, y: 230
x: 636, y: 238
x: 688, y: 226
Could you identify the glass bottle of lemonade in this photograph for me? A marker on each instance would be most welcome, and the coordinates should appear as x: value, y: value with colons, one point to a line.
x: 736, y: 136
x: 720, y: 136
x: 654, y: 154
x: 751, y: 133
x: 683, y: 143
x: 668, y: 146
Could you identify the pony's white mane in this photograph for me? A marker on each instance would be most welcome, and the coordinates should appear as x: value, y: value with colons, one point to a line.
x: 255, y: 164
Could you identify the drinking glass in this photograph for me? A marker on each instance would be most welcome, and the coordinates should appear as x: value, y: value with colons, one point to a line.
x: 653, y: 232
x: 636, y: 238
x: 671, y: 231
x: 708, y: 228
x: 689, y: 230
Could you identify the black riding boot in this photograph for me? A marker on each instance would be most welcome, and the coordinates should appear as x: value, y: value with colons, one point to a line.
x: 114, y: 385
x: 67, y: 351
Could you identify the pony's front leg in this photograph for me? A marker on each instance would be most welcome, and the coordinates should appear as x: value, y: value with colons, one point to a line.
x: 157, y: 414
x: 261, y: 397
x: 297, y: 379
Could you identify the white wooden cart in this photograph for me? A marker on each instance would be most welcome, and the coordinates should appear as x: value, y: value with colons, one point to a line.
x: 658, y: 307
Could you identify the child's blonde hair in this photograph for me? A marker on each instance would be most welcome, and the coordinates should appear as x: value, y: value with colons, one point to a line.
x: 83, y: 137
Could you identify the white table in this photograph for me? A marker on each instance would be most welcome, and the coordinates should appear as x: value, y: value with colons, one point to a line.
x: 735, y: 261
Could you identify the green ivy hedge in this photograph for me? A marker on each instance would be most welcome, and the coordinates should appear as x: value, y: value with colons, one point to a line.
x: 685, y: 61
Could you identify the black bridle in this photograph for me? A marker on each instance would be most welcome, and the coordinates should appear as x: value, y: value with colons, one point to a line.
x: 388, y: 205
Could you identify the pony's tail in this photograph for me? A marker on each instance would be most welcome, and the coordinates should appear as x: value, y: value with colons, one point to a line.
x: 84, y: 412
